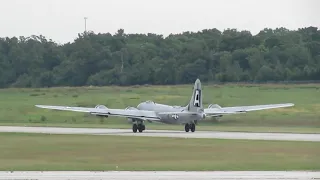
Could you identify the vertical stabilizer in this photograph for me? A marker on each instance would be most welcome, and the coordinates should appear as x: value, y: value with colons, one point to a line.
x: 195, y: 103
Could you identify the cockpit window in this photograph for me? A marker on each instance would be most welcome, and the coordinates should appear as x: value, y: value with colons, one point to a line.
x: 149, y: 102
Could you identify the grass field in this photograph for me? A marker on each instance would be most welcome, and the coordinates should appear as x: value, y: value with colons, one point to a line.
x: 17, y: 106
x: 85, y: 152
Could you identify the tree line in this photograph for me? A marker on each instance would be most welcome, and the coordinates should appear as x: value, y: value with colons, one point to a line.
x: 130, y: 59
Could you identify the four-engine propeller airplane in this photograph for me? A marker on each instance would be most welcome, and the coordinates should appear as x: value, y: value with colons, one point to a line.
x: 188, y: 115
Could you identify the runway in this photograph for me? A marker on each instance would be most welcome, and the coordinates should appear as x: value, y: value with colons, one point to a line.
x: 159, y: 175
x: 166, y: 133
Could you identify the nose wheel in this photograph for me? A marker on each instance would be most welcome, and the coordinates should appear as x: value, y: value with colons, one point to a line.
x: 189, y: 127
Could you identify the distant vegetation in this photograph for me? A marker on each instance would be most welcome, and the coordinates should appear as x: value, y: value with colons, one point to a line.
x: 127, y: 59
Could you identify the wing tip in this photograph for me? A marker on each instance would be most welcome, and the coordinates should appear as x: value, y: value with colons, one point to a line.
x: 40, y: 106
x: 290, y: 104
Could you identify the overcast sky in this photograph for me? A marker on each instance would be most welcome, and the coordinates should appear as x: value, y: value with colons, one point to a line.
x: 61, y: 20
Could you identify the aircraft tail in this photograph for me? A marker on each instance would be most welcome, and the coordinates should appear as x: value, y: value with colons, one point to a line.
x: 195, y: 103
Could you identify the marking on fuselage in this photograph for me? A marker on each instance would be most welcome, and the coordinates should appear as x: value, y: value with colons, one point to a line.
x: 175, y: 116
x: 196, y: 100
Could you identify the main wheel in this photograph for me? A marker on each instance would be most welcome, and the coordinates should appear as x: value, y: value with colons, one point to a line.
x: 134, y: 128
x: 193, y: 127
x: 140, y: 127
x: 187, y: 127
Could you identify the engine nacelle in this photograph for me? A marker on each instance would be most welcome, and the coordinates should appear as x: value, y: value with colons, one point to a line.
x: 131, y: 120
x: 214, y: 106
x: 130, y: 108
x: 100, y: 107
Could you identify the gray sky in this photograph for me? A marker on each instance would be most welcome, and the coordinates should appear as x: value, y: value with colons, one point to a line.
x: 61, y: 20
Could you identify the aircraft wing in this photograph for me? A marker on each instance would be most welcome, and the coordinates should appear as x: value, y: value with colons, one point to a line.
x: 139, y: 114
x: 216, y: 111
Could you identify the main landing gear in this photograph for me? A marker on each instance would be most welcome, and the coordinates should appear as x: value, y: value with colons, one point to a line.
x: 191, y: 127
x: 138, y: 127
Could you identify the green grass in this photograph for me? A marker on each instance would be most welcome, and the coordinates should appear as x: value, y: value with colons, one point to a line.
x: 87, y: 152
x: 17, y: 106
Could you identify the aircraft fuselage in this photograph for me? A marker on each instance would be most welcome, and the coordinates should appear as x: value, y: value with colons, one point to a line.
x: 169, y: 119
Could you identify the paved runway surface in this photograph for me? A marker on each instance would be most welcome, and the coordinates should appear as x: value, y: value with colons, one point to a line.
x: 148, y: 175
x: 165, y: 133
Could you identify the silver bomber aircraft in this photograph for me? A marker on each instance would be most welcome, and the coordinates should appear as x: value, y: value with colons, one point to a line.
x: 150, y: 111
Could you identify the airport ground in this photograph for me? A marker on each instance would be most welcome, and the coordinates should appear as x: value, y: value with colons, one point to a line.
x: 164, y: 175
x: 22, y: 151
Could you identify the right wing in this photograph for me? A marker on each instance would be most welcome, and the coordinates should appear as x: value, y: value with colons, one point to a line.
x: 139, y: 114
x: 216, y: 110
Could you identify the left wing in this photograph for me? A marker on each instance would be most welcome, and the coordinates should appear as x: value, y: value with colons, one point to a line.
x: 216, y: 110
x: 140, y: 114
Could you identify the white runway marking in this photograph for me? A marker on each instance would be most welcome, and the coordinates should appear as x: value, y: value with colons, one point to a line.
x: 166, y: 133
x: 159, y: 175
